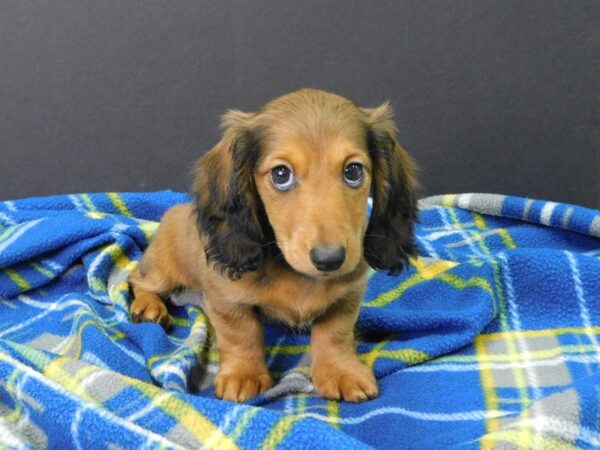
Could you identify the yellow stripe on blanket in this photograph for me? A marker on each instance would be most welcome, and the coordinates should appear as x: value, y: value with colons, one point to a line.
x: 17, y: 279
x: 424, y: 272
x: 243, y: 423
x: 119, y: 203
x: 408, y: 355
x: 87, y: 200
x: 279, y: 432
x: 189, y: 417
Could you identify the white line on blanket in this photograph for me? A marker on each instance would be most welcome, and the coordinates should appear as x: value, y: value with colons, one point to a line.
x: 10, y: 205
x: 583, y: 310
x: 421, y: 415
x: 474, y: 367
x: 19, y: 233
x: 7, y: 219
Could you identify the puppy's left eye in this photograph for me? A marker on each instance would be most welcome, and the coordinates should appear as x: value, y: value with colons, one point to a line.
x: 283, y: 178
x: 353, y: 174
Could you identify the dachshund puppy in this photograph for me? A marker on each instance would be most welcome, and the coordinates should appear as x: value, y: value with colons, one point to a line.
x: 279, y: 224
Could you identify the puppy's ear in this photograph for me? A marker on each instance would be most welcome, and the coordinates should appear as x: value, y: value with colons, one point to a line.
x: 389, y: 239
x: 229, y: 212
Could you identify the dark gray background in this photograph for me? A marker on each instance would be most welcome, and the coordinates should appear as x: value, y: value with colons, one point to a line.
x: 125, y: 95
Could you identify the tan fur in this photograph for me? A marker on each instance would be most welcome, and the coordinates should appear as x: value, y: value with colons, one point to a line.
x: 316, y: 134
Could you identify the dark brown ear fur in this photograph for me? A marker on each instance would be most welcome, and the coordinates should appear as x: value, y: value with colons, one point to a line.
x: 389, y: 239
x: 229, y: 212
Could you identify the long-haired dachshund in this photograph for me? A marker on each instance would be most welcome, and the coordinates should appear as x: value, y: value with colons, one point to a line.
x: 279, y: 224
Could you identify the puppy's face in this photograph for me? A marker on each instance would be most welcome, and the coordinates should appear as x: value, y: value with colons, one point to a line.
x: 298, y: 173
x: 314, y: 190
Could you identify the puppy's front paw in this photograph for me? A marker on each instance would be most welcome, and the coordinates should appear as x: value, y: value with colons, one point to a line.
x: 241, y: 386
x: 353, y: 382
x: 150, y: 308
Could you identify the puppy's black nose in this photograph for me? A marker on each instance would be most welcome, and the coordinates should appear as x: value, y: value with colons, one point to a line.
x: 327, y: 257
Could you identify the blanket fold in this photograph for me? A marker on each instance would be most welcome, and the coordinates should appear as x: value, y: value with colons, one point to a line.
x: 489, y: 338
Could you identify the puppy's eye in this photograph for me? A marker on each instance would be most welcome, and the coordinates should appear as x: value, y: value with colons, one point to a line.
x: 353, y: 174
x: 283, y: 178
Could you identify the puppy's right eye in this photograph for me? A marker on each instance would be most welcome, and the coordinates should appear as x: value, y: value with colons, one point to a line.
x: 353, y: 174
x: 283, y: 178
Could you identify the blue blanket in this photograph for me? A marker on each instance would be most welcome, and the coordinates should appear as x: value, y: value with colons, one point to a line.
x: 490, y: 338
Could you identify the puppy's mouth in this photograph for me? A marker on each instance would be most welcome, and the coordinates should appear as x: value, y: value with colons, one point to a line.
x: 317, y: 275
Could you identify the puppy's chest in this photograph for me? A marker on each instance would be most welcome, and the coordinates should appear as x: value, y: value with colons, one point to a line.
x: 296, y: 302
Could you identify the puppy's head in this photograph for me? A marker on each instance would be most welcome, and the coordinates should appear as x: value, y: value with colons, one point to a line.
x: 297, y: 174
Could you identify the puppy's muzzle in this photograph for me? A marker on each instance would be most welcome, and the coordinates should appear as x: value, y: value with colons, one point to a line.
x: 327, y: 258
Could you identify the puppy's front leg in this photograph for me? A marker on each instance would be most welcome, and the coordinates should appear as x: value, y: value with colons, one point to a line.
x: 337, y: 373
x: 243, y: 373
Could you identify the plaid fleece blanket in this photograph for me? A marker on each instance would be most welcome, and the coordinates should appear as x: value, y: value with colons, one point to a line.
x: 489, y: 339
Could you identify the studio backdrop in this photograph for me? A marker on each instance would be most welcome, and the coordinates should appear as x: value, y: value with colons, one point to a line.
x: 123, y: 96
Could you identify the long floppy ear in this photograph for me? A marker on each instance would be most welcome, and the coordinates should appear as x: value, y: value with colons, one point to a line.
x: 389, y: 239
x: 229, y: 212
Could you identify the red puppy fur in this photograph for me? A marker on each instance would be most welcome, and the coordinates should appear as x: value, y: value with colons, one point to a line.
x: 279, y: 223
